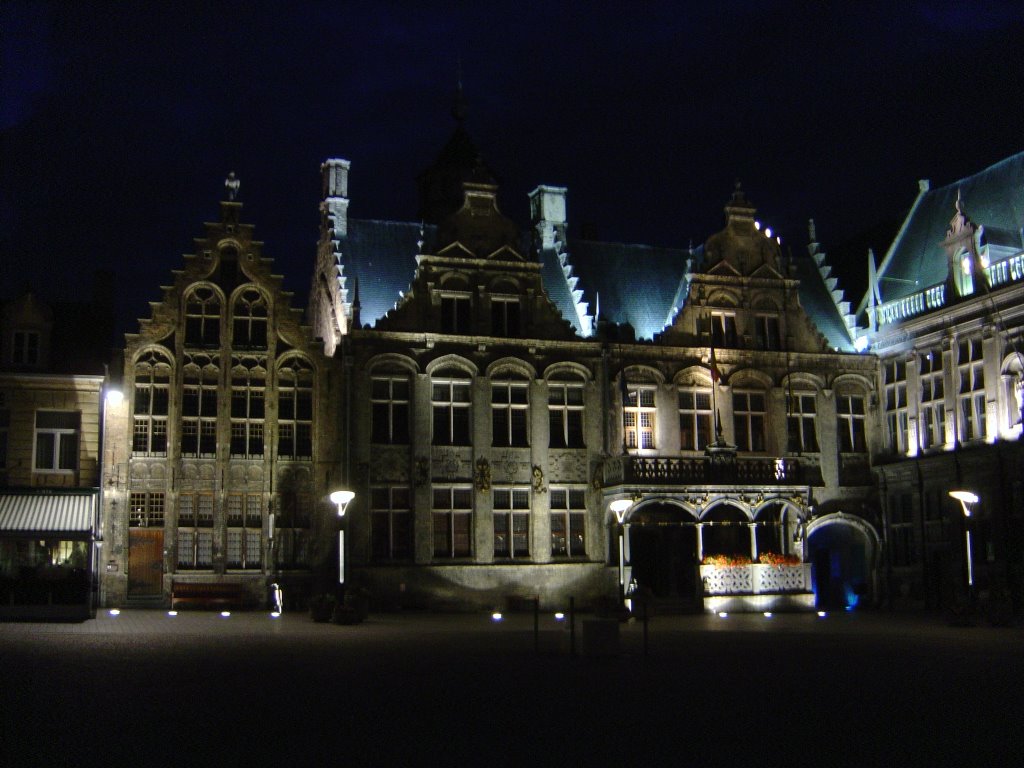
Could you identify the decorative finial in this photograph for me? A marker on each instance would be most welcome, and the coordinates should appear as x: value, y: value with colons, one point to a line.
x: 231, y: 183
x: 419, y: 243
x: 959, y: 201
x: 811, y: 231
x: 459, y: 106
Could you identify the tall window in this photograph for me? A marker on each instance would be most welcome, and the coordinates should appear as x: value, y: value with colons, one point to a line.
x: 509, y: 409
x: 391, y: 511
x: 245, y: 531
x: 25, y: 348
x: 248, y: 387
x: 195, y: 530
x: 455, y: 313
x: 748, y: 416
x: 723, y: 329
x: 850, y: 423
x: 202, y: 318
x: 568, y: 522
x: 57, y: 441
x: 152, y: 390
x: 800, y: 423
x: 894, y: 380
x: 901, y: 530
x: 505, y: 316
x: 932, y: 421
x: 453, y: 522
x: 250, y: 321
x: 389, y: 415
x: 511, y: 522
x: 695, y: 419
x: 766, y: 329
x: 291, y: 527
x: 295, y: 409
x: 146, y: 509
x: 450, y: 400
x: 199, y: 407
x: 638, y: 416
x: 565, y: 412
x: 971, y: 395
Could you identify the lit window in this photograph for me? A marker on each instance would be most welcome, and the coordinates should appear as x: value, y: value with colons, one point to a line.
x: 509, y: 410
x: 932, y: 423
x: 57, y: 441
x: 568, y: 522
x: 971, y: 395
x: 450, y: 401
x: 391, y: 516
x: 695, y: 419
x: 452, y: 513
x: 389, y: 399
x: 511, y: 522
x: 295, y: 409
x: 800, y: 423
x: 894, y: 381
x: 850, y: 423
x: 638, y: 417
x: 748, y: 414
x: 151, y: 396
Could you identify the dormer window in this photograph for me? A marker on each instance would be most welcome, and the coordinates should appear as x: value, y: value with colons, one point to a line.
x: 455, y: 312
x: 723, y: 329
x: 25, y: 348
x: 766, y: 329
x: 505, y: 316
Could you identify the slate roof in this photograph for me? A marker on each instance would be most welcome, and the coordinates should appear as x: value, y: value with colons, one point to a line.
x: 993, y: 198
x: 817, y: 301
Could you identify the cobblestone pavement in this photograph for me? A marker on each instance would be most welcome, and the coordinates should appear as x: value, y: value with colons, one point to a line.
x: 404, y: 689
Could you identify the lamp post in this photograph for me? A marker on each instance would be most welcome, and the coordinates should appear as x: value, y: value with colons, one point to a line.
x: 619, y: 507
x: 341, y: 499
x: 967, y: 499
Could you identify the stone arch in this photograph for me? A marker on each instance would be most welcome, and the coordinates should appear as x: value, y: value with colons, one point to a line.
x: 392, y: 360
x: 643, y: 374
x: 693, y: 376
x: 804, y: 380
x: 751, y: 378
x: 512, y: 365
x: 454, y: 281
x: 662, y: 550
x: 723, y: 298
x: 852, y: 384
x: 764, y: 301
x: 452, y: 361
x: 844, y: 550
x: 726, y: 528
x: 557, y: 370
x: 505, y: 285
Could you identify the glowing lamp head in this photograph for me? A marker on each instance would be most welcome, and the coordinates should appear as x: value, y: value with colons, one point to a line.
x: 114, y: 397
x: 619, y: 507
x: 966, y: 499
x: 341, y: 500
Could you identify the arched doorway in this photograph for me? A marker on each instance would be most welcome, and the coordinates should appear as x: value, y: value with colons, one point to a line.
x: 726, y: 531
x: 663, y: 554
x: 842, y: 549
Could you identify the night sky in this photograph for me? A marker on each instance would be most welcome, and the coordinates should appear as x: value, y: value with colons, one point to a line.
x: 120, y: 121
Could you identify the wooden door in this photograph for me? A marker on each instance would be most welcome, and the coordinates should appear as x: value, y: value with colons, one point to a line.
x: 145, y: 562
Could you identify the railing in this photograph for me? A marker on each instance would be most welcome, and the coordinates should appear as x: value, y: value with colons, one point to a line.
x: 664, y: 470
x: 756, y: 579
x: 909, y: 306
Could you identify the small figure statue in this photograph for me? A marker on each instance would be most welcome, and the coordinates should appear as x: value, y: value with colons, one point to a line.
x: 231, y: 183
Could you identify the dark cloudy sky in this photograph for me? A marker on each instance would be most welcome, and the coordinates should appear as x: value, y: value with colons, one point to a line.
x: 120, y: 120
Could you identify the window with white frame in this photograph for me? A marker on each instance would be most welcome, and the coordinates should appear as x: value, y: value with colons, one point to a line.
x: 389, y: 408
x: 145, y: 509
x: 695, y: 418
x: 294, y: 512
x: 850, y: 423
x: 748, y: 415
x: 932, y: 418
x: 509, y: 411
x: 295, y: 409
x: 767, y: 333
x: 565, y: 411
x: 391, y: 522
x: 450, y: 401
x: 639, y: 416
x: 723, y: 330
x: 25, y: 348
x: 244, y: 531
x: 801, y: 412
x: 249, y: 329
x: 56, y: 438
x: 248, y: 394
x: 894, y: 383
x: 202, y: 318
x: 505, y: 316
x: 568, y: 522
x: 151, y: 396
x: 195, y: 530
x: 456, y: 311
x: 199, y: 406
x: 971, y: 395
x: 511, y: 522
x: 452, y: 517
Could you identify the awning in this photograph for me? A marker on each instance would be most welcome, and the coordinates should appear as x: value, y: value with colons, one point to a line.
x: 47, y: 512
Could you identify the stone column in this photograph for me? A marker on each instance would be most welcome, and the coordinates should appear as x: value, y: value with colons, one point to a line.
x: 700, y: 542
x: 753, y: 542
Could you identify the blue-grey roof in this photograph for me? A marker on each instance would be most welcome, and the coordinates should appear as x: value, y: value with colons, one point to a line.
x: 816, y: 299
x: 993, y: 198
x: 382, y: 255
x: 557, y: 288
x: 634, y: 284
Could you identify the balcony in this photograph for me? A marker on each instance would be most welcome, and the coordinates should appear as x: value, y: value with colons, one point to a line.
x: 701, y: 470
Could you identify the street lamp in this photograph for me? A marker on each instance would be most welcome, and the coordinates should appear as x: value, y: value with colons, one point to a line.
x: 967, y: 499
x: 341, y: 499
x: 619, y: 507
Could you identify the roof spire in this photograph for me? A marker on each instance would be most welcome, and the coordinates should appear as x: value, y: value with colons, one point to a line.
x: 459, y: 105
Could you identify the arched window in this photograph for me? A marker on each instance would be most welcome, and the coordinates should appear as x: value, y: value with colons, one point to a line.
x: 450, y: 403
x: 389, y: 400
x: 748, y: 412
x: 295, y: 409
x: 250, y: 320
x: 565, y: 411
x: 509, y: 409
x: 202, y: 318
x: 151, y: 397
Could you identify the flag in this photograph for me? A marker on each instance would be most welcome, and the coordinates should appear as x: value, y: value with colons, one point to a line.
x: 715, y: 373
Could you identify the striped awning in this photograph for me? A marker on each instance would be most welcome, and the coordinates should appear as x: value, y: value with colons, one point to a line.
x: 47, y: 512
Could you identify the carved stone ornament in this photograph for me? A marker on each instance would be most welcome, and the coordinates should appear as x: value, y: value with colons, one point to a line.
x: 482, y: 475
x: 538, y: 480
x: 422, y: 471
